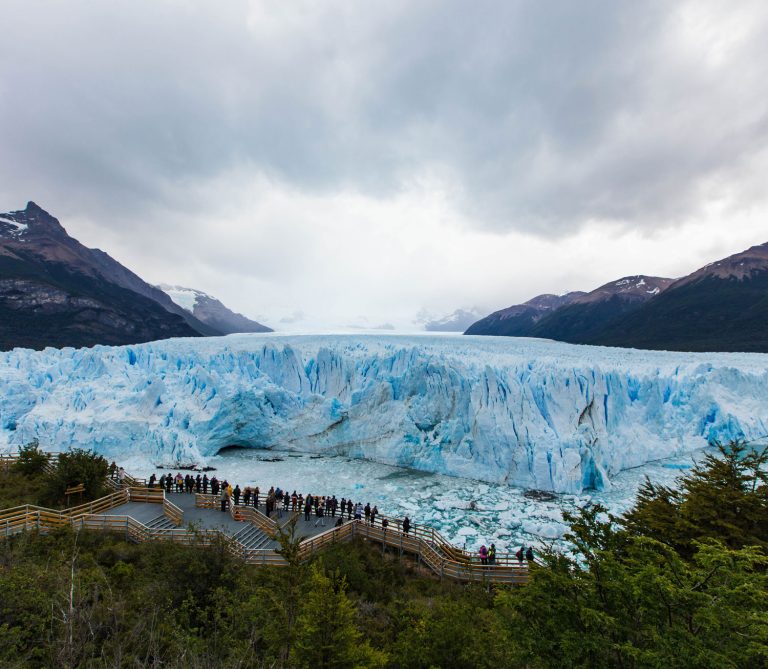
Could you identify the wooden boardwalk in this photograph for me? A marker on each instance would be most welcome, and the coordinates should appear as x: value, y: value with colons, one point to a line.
x: 151, y: 514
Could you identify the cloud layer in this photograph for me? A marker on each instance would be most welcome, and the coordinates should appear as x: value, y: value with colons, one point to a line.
x: 349, y: 159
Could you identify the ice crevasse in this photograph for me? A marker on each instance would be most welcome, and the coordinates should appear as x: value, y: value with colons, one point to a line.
x: 531, y: 413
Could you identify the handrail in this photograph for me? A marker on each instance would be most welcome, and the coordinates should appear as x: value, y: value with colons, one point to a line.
x: 428, y: 544
x: 173, y: 512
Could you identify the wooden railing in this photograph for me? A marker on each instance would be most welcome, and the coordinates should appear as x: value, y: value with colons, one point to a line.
x: 173, y: 512
x: 252, y: 515
x: 431, y: 548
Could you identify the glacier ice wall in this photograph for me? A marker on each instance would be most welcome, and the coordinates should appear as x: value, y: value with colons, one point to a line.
x: 533, y: 413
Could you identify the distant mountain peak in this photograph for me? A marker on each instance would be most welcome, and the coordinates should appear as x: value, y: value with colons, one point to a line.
x: 211, y: 311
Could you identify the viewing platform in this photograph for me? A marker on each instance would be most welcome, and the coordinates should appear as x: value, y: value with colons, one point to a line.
x: 145, y: 513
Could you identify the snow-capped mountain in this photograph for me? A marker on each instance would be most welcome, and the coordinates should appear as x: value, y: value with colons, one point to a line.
x: 532, y: 413
x: 56, y: 292
x: 211, y: 311
x: 519, y: 319
x: 458, y: 321
x: 720, y: 307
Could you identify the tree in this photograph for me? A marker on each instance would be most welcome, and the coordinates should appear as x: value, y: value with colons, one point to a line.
x: 724, y: 497
x: 32, y: 459
x: 326, y: 635
x: 74, y: 467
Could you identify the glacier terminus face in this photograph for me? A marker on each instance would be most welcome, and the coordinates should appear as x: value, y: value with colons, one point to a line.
x: 526, y: 412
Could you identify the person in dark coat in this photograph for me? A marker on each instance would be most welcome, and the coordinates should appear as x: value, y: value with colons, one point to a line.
x: 236, y: 495
x: 367, y: 512
x: 247, y: 496
x: 205, y: 484
x: 349, y: 509
x: 406, y: 525
x: 307, y: 507
x: 529, y: 555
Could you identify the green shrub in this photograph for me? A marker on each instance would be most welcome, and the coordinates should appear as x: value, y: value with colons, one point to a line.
x: 32, y: 459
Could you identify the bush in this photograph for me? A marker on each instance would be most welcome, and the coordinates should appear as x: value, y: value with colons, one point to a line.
x: 32, y: 460
x: 74, y: 467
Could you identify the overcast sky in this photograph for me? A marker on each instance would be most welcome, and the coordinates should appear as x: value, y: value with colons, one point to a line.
x: 326, y: 164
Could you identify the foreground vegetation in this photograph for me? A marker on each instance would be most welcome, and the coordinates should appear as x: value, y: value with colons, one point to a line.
x: 680, y: 581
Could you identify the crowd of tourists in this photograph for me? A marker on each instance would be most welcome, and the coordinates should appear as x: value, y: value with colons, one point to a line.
x: 318, y: 507
x: 276, y: 500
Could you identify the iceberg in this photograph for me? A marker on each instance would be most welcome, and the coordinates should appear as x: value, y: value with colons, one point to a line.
x: 525, y: 412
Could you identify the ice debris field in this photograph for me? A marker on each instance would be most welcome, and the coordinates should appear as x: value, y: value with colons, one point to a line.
x: 524, y: 412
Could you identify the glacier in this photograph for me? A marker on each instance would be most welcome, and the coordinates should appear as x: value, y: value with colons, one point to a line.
x: 531, y: 413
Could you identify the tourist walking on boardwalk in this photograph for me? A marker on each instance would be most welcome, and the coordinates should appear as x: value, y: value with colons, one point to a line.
x: 492, y: 554
x: 349, y: 509
x: 406, y: 525
x: 529, y: 555
x: 367, y: 512
x: 483, y: 554
x: 120, y: 475
x: 374, y: 513
x: 236, y: 494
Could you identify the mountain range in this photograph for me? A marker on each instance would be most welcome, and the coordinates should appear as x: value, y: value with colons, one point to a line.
x: 54, y: 291
x: 720, y: 307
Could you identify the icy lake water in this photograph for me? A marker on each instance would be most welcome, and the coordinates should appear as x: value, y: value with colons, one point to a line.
x: 467, y: 512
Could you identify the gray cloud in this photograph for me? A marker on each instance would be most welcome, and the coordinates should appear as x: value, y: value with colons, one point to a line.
x: 339, y: 157
x: 533, y: 116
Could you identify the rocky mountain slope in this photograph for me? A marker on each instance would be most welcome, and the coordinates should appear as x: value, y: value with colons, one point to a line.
x: 56, y: 292
x: 720, y: 307
x: 211, y: 311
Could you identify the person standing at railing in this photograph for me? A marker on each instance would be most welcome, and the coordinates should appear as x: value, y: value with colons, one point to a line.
x: 349, y: 509
x: 236, y: 494
x: 520, y: 554
x: 343, y: 506
x: 374, y: 513
x: 294, y: 501
x: 320, y: 514
x: 529, y: 555
x: 367, y: 511
x: 286, y: 501
x: 247, y: 496
x: 358, y: 511
x: 406, y: 525
x: 223, y: 499
x: 492, y: 554
x: 256, y: 493
x: 168, y: 482
x: 483, y: 552
x: 307, y: 507
x: 205, y: 484
x: 152, y: 480
x: 384, y: 524
x: 300, y: 502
